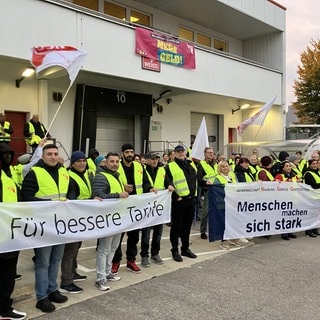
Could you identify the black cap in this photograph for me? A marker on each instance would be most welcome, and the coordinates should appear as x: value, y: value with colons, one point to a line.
x: 152, y: 155
x: 179, y: 148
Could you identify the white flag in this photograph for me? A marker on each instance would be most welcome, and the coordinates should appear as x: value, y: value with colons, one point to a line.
x: 70, y: 58
x: 200, y: 142
x: 258, y: 118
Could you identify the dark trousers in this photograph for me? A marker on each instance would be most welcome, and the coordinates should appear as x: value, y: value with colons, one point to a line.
x: 155, y: 243
x: 69, y: 262
x: 132, y: 249
x: 181, y: 222
x: 8, y: 270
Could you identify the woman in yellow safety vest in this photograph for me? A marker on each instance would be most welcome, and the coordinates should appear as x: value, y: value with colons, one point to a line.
x: 286, y: 174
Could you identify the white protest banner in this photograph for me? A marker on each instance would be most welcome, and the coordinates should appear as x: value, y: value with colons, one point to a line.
x: 262, y: 208
x: 26, y: 225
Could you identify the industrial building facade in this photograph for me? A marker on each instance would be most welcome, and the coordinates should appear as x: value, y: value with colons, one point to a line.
x: 118, y: 96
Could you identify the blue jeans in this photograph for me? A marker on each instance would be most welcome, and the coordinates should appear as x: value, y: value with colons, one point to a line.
x: 47, y: 267
x: 155, y: 243
x: 106, y: 248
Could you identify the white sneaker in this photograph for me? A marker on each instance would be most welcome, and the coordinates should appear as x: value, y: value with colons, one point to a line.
x: 224, y: 245
x: 102, y: 285
x: 233, y: 243
x: 243, y: 240
x: 113, y: 277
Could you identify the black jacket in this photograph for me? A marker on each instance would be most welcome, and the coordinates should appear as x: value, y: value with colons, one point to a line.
x: 100, y: 185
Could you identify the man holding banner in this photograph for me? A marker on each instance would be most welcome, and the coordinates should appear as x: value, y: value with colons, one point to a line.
x: 135, y: 181
x: 47, y: 180
x: 107, y: 185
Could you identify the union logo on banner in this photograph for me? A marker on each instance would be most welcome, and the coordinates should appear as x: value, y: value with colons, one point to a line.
x: 164, y: 48
x: 150, y: 64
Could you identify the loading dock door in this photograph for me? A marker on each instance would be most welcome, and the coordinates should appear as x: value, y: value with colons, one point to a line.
x: 212, y: 127
x: 113, y: 131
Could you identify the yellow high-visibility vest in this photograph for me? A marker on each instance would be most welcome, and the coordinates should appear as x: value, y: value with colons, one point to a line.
x: 138, y: 176
x: 84, y: 186
x: 48, y: 188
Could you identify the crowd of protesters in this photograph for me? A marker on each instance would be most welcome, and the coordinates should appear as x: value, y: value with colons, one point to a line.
x: 43, y: 176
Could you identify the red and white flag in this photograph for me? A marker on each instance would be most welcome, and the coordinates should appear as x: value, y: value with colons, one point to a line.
x: 258, y: 118
x: 68, y: 57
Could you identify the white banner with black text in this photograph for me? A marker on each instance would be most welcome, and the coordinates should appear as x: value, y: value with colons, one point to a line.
x: 25, y: 225
x: 243, y: 210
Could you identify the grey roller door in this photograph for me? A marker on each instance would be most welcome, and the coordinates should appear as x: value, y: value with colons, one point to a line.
x: 212, y: 122
x: 113, y: 131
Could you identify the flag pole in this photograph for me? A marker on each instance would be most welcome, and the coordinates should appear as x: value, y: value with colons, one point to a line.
x: 58, y: 109
x: 254, y: 140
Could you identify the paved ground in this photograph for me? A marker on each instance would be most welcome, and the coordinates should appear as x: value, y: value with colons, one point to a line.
x: 273, y: 279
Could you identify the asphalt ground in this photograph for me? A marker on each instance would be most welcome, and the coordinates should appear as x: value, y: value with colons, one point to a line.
x: 272, y: 279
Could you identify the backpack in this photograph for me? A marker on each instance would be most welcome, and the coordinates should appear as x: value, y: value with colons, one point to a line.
x: 275, y: 169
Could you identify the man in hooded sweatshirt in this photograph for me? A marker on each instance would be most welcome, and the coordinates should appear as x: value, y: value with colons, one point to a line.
x: 9, y: 192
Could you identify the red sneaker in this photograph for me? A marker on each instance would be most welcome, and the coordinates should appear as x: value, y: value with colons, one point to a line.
x: 131, y: 266
x: 115, y: 267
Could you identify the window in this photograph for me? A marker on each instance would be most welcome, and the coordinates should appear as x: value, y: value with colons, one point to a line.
x: 220, y: 45
x: 140, y: 18
x: 204, y: 40
x: 115, y: 10
x: 90, y: 4
x: 186, y: 34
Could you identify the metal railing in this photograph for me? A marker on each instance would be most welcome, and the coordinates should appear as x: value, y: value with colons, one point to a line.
x: 164, y: 146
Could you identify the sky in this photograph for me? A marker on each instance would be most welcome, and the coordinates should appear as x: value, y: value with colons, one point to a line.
x: 302, y: 25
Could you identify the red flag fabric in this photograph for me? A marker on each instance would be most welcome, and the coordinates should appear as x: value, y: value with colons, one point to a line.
x: 68, y: 57
x: 258, y: 118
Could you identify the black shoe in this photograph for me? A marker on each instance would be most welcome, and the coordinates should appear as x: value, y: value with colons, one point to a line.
x: 176, y: 256
x: 285, y: 237
x: 203, y: 236
x: 71, y: 288
x: 311, y: 234
x: 57, y: 297
x: 17, y: 277
x: 188, y: 253
x: 292, y: 236
x: 77, y: 278
x: 45, y: 305
x: 13, y: 314
x: 316, y: 232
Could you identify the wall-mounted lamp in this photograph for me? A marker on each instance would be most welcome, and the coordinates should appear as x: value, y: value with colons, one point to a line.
x: 162, y: 95
x: 241, y: 107
x: 28, y: 72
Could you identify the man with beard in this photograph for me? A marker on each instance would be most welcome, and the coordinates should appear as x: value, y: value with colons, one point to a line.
x: 135, y: 180
x: 183, y: 176
x: 107, y: 185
